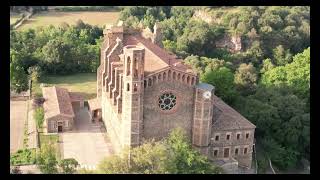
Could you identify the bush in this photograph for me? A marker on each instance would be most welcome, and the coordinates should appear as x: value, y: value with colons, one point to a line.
x: 68, y: 166
x: 23, y: 157
x: 39, y: 117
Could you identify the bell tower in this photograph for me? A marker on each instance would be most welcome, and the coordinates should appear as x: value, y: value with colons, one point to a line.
x: 132, y: 106
x: 202, y: 118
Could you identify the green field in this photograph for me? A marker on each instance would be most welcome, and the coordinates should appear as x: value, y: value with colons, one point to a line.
x: 85, y: 83
x: 14, y: 18
x: 56, y: 18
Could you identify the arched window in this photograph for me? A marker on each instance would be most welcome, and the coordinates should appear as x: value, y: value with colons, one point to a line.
x: 178, y: 76
x: 169, y: 74
x: 149, y: 82
x: 135, y: 87
x: 128, y: 65
x: 192, y: 81
x: 174, y: 75
x: 164, y: 76
x: 188, y: 79
x: 145, y: 83
x: 128, y: 87
x: 135, y: 66
x: 159, y: 77
x: 182, y: 78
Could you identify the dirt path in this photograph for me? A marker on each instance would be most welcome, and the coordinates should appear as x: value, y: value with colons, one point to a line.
x: 18, y: 115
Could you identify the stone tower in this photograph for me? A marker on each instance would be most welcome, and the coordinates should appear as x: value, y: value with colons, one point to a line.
x: 202, y: 119
x: 133, y: 78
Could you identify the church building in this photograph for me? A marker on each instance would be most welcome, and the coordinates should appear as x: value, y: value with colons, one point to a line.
x: 145, y: 91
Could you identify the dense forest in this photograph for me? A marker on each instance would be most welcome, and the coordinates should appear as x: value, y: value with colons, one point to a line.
x: 267, y: 80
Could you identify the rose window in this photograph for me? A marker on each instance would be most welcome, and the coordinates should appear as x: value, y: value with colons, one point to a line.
x: 167, y: 101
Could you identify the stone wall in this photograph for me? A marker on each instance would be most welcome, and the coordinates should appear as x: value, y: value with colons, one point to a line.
x: 232, y: 144
x: 158, y: 123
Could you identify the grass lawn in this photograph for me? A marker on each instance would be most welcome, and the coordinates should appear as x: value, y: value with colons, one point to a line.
x: 14, y: 18
x: 51, y: 139
x: 56, y: 18
x: 85, y: 83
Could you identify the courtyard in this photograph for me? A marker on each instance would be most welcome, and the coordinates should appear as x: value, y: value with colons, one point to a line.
x: 18, y: 115
x: 86, y: 142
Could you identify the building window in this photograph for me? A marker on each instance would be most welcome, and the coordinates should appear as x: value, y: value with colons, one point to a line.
x: 216, y: 138
x: 228, y: 137
x: 135, y: 87
x: 128, y: 87
x: 167, y: 101
x: 215, y: 153
x: 238, y: 136
x: 247, y: 135
x: 245, y: 150
x: 236, y: 151
x: 226, y: 153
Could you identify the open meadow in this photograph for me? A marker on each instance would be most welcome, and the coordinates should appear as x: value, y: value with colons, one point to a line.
x: 56, y: 18
x: 85, y: 83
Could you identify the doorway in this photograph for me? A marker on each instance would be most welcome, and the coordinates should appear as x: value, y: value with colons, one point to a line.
x: 59, y: 128
x: 226, y: 153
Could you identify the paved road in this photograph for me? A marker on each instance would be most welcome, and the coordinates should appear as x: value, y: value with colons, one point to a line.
x: 86, y: 142
x: 18, y: 115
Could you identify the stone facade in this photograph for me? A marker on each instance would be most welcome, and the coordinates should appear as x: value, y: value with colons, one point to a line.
x: 145, y: 92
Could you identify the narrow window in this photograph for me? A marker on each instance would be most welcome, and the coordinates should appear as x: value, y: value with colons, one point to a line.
x: 215, y: 153
x: 238, y: 136
x: 128, y: 87
x: 245, y: 150
x: 236, y: 151
x: 174, y: 75
x: 188, y: 80
x: 145, y: 83
x: 247, y: 135
x: 228, y: 136
x: 164, y: 76
x: 192, y: 81
x: 183, y: 78
x: 217, y: 138
x: 135, y: 87
x: 159, y: 77
x: 178, y: 76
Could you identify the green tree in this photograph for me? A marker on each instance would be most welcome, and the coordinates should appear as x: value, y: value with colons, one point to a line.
x: 281, y: 56
x: 171, y: 155
x: 245, y: 78
x: 68, y: 166
x: 184, y: 159
x: 47, y: 159
x: 296, y: 75
x: 18, y: 78
x: 223, y: 80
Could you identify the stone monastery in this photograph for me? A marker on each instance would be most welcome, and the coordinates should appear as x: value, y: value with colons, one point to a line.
x: 144, y: 92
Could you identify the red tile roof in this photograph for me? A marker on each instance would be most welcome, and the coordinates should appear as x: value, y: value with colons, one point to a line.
x: 74, y: 96
x: 57, y: 102
x: 155, y: 57
x: 94, y: 104
x: 226, y: 118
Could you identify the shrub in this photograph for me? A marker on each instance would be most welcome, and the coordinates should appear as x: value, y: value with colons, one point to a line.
x: 23, y: 157
x: 39, y: 116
